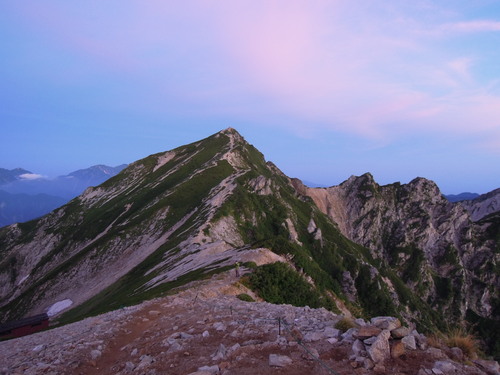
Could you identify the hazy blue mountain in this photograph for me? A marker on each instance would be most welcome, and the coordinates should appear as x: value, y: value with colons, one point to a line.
x: 11, y: 175
x: 27, y: 197
x: 15, y: 208
x: 96, y: 173
x: 68, y: 186
x: 461, y: 197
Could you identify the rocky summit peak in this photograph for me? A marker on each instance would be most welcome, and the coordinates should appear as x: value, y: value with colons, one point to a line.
x: 234, y: 136
x: 427, y: 240
x: 231, y: 132
x: 424, y: 183
x: 365, y: 178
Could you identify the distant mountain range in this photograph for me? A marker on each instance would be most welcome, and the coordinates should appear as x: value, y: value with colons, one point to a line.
x: 25, y: 195
x: 12, y: 175
x: 461, y: 197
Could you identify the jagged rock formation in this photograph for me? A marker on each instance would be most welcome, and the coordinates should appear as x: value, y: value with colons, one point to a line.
x: 202, y: 208
x: 431, y: 243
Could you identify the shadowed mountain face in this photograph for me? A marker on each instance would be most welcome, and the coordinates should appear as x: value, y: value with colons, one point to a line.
x: 16, y: 208
x: 461, y: 197
x: 66, y: 187
x: 7, y: 175
x: 181, y: 215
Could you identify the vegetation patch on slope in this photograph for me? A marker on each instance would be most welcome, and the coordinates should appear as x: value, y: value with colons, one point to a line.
x: 280, y: 284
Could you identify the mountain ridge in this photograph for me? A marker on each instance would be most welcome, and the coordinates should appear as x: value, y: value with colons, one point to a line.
x: 391, y: 217
x: 99, y: 197
x: 461, y: 196
x: 203, y: 208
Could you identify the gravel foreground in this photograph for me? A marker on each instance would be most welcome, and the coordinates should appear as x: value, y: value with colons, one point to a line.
x: 206, y: 330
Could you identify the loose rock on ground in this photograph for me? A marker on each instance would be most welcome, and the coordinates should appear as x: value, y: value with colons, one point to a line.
x: 205, y: 330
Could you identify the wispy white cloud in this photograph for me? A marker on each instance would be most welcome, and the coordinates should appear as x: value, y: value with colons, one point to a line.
x: 31, y: 176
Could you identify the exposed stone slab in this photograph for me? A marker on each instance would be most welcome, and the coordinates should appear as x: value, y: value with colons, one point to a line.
x: 398, y: 349
x: 367, y: 332
x: 400, y: 332
x: 380, y: 350
x: 276, y: 360
x: 409, y: 342
x: 386, y: 322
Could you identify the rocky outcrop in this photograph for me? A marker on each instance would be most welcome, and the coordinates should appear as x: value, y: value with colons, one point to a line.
x: 433, y: 244
x: 483, y: 205
x: 380, y: 217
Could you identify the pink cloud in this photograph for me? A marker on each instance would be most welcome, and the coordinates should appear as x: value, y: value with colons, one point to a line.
x: 374, y: 78
x: 471, y: 26
x: 370, y: 70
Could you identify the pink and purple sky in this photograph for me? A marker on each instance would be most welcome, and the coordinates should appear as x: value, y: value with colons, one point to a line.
x: 325, y: 89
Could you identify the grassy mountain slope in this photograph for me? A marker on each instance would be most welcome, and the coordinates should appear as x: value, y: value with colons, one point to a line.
x: 102, y: 235
x: 182, y: 215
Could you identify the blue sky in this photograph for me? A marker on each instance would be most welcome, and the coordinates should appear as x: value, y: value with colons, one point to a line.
x: 325, y: 89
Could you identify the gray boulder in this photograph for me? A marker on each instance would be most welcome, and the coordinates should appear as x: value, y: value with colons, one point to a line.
x: 380, y: 349
x: 400, y: 332
x: 409, y: 342
x: 208, y: 370
x: 444, y: 367
x: 358, y: 348
x: 386, y: 322
x: 220, y: 353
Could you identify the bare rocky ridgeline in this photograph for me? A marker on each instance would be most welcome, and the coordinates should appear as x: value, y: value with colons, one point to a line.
x: 413, y: 223
x: 204, y: 329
